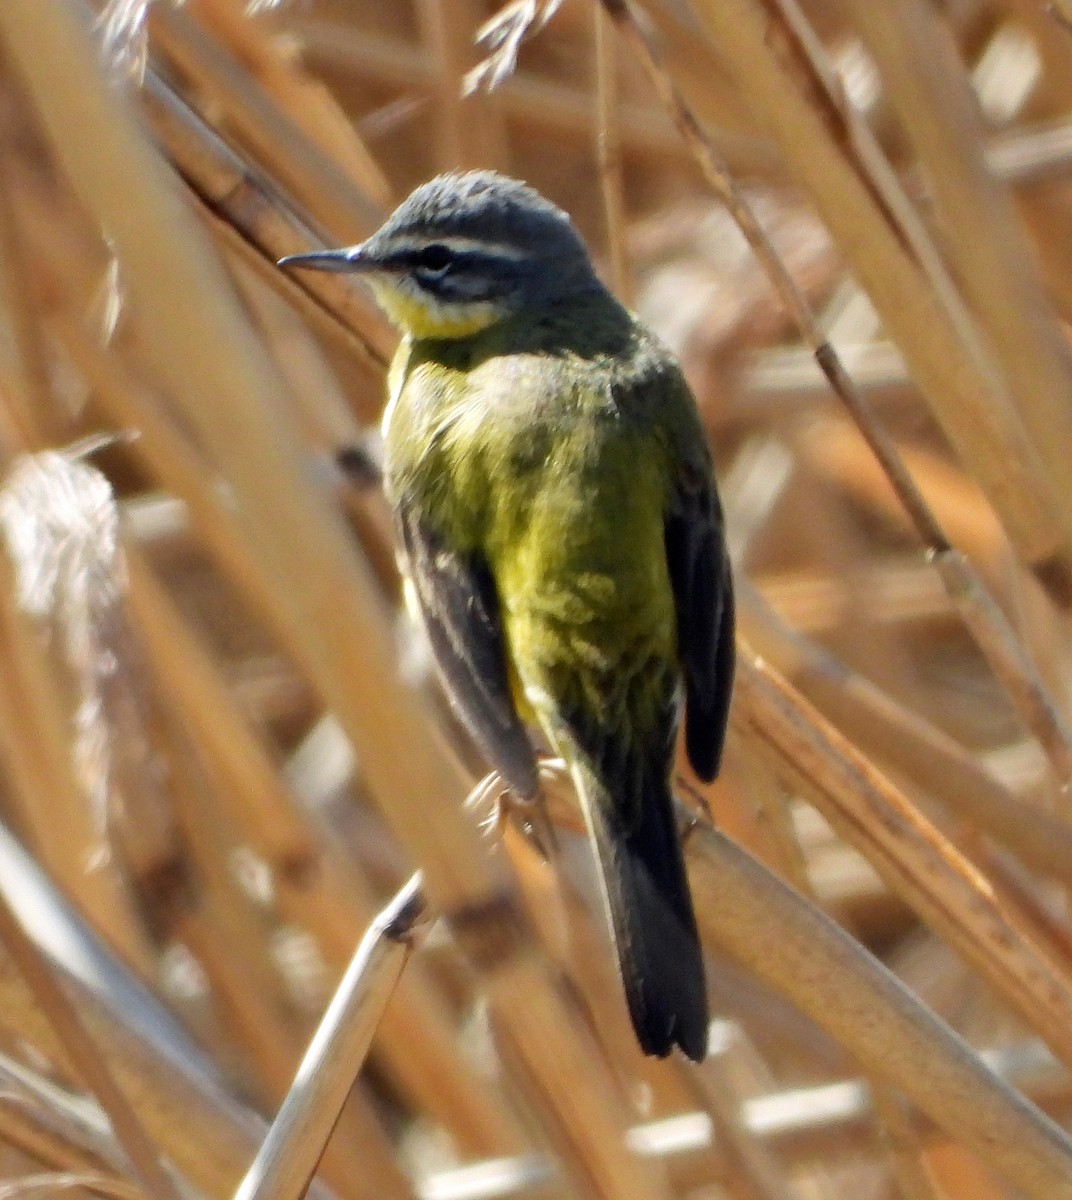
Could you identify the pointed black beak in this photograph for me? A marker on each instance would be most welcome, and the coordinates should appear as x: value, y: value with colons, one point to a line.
x: 347, y: 258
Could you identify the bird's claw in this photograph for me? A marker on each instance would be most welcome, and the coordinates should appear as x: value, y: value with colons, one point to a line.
x: 494, y: 799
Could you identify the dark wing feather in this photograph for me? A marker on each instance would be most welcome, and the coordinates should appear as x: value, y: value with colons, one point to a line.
x: 460, y: 607
x: 703, y: 597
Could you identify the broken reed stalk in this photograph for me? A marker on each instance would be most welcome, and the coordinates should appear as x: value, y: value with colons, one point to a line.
x: 296, y: 1139
x: 983, y: 617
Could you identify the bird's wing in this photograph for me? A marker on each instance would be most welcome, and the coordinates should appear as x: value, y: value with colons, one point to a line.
x: 703, y: 598
x: 460, y: 607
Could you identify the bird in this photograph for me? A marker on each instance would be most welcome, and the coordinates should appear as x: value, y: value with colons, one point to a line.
x: 560, y: 529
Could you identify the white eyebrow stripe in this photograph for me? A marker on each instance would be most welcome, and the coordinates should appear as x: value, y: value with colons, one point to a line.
x: 460, y: 245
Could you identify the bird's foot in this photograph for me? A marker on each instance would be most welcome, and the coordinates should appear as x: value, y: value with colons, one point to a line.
x: 497, y: 804
x: 489, y: 799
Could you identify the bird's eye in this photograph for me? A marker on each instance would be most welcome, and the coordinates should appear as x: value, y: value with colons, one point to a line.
x: 434, y: 258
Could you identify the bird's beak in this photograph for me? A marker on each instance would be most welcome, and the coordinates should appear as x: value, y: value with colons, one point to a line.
x: 347, y: 258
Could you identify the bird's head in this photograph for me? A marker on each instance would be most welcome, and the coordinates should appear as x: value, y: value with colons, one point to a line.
x: 463, y: 252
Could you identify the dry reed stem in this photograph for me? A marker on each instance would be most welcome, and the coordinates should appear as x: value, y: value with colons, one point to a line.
x: 831, y: 445
x: 228, y: 942
x: 55, y: 814
x: 416, y: 1042
x: 36, y: 1117
x: 328, y: 322
x: 914, y: 859
x: 29, y: 401
x: 54, y: 1155
x: 228, y: 185
x: 990, y: 252
x: 608, y: 153
x: 86, y: 1055
x: 892, y: 1124
x: 794, y: 948
x: 983, y: 617
x: 56, y: 1183
x: 445, y: 39
x: 339, y: 208
x: 761, y: 1174
x: 878, y: 173
x: 209, y: 914
x: 525, y: 103
x: 885, y: 729
x: 168, y: 453
x: 77, y: 1127
x: 579, y: 1110
x: 902, y: 1143
x: 711, y: 93
x: 252, y: 790
x: 40, y: 732
x: 307, y: 103
x: 176, y: 1093
x: 416, y: 1035
x: 328, y: 414
x: 320, y: 892
x: 1012, y: 667
x: 963, y: 393
x: 296, y: 1139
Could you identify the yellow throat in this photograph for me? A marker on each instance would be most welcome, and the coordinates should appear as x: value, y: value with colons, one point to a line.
x: 422, y: 316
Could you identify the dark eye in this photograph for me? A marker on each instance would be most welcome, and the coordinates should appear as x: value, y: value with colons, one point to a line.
x: 434, y: 258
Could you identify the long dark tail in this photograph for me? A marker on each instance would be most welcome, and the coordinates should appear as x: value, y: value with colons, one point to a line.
x: 651, y: 916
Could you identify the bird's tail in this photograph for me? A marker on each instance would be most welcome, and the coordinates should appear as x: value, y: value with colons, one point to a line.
x: 650, y: 910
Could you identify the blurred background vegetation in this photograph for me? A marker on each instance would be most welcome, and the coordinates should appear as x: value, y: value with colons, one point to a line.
x: 221, y: 750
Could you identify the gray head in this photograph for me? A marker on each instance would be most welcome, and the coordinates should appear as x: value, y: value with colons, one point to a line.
x: 464, y: 251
